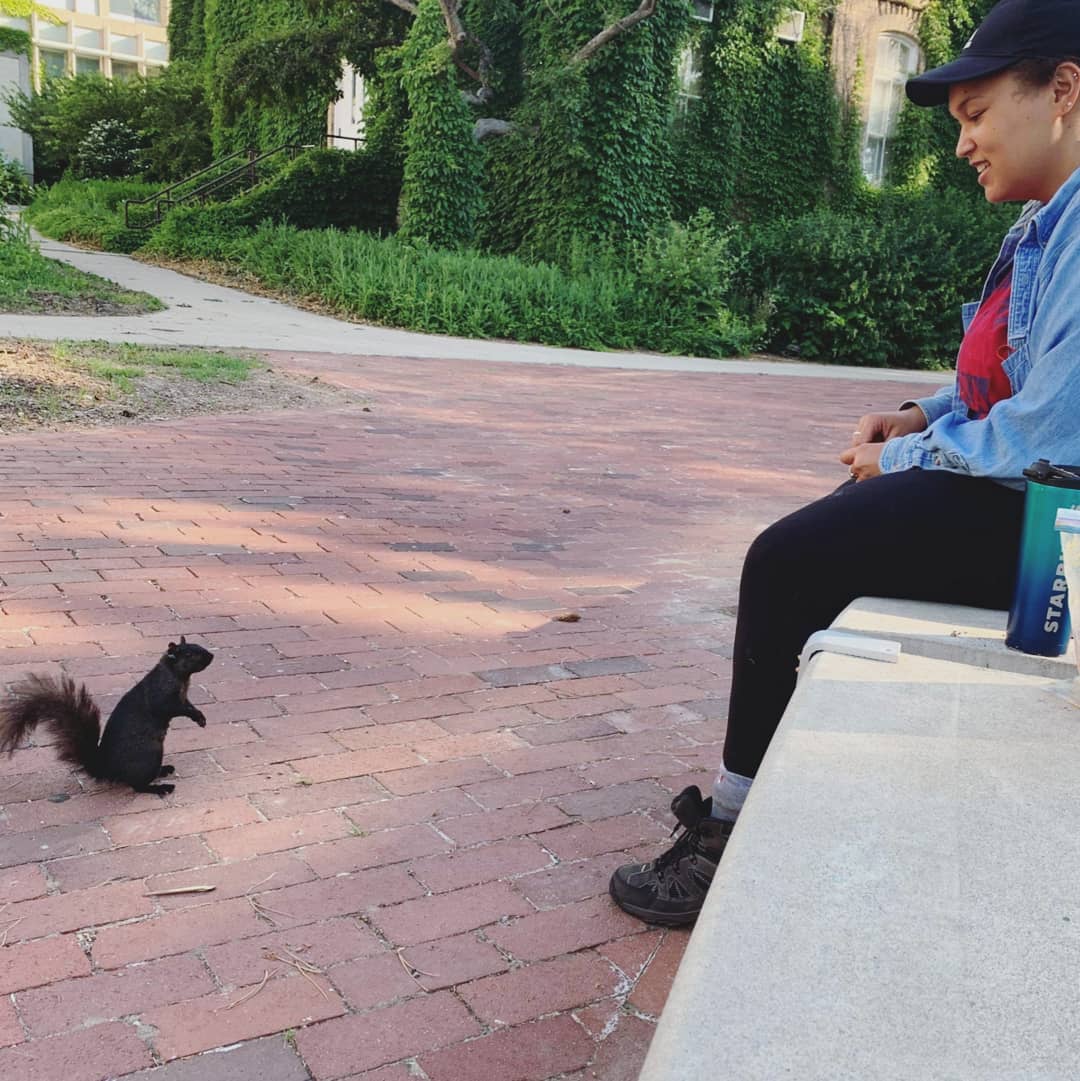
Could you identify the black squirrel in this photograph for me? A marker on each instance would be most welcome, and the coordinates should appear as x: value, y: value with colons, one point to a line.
x: 133, y: 744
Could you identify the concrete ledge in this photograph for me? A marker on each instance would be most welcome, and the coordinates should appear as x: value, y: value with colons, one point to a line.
x: 900, y: 898
x: 950, y: 632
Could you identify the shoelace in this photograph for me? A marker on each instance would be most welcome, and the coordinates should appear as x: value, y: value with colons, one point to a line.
x: 689, y: 836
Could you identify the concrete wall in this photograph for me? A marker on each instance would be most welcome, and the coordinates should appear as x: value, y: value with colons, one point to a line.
x: 14, y: 145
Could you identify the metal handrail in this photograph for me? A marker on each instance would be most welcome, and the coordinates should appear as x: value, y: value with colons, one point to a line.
x: 166, y: 199
x: 179, y: 183
x: 354, y: 139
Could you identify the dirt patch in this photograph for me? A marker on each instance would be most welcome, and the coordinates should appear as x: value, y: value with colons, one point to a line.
x: 79, y: 304
x: 40, y: 391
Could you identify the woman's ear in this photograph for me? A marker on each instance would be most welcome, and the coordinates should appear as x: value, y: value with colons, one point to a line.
x: 1066, y: 87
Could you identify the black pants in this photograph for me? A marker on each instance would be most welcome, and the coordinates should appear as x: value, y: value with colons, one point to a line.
x: 921, y: 535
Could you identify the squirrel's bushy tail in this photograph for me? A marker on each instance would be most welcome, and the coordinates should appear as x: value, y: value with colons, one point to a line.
x: 68, y: 710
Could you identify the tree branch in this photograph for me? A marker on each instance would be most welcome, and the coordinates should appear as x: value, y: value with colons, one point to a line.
x: 486, y: 127
x: 453, y: 24
x: 472, y: 74
x: 458, y: 36
x: 620, y: 26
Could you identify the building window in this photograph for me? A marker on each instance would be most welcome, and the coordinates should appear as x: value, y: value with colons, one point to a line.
x: 701, y: 9
x: 53, y: 64
x: 85, y: 38
x: 347, y: 118
x: 688, y: 78
x: 791, y: 26
x: 122, y: 43
x: 57, y: 32
x: 898, y: 58
x: 87, y: 65
x: 124, y: 71
x: 147, y: 10
x: 156, y: 50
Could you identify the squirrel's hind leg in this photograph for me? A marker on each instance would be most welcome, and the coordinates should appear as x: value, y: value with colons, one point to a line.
x: 158, y: 789
x: 166, y: 771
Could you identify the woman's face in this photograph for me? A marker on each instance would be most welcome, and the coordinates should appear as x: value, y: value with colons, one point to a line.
x: 1012, y: 135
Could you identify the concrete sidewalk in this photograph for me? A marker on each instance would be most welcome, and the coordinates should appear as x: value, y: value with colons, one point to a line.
x: 202, y: 314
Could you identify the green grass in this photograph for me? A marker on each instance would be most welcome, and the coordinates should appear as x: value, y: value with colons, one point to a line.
x: 31, y: 283
x: 120, y: 364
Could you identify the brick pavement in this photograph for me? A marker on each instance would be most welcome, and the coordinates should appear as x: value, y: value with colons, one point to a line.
x: 415, y: 777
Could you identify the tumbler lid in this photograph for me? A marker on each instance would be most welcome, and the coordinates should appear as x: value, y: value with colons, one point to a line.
x: 1057, y: 476
x: 1067, y: 521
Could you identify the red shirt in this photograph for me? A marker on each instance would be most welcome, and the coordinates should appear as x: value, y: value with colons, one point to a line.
x: 980, y: 377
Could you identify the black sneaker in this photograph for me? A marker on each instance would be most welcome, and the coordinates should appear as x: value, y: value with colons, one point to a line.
x: 671, y: 889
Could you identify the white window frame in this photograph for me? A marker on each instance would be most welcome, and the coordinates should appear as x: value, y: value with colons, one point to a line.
x: 886, y: 101
x: 791, y: 26
x: 689, y: 73
x: 701, y: 10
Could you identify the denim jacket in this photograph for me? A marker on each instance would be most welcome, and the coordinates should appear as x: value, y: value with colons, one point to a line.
x: 1042, y: 418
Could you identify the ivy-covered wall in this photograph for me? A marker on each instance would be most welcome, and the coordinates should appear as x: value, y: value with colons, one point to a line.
x: 767, y: 137
x: 590, y: 160
x: 599, y: 149
x: 14, y: 41
x: 187, y: 33
x: 247, y: 114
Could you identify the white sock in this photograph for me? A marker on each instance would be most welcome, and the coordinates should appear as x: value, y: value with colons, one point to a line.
x: 729, y: 794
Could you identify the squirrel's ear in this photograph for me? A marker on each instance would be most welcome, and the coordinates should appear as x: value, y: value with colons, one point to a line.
x: 182, y: 640
x: 172, y: 645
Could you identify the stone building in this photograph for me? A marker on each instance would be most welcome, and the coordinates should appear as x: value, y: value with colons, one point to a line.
x: 875, y: 48
x: 115, y: 38
x: 14, y: 144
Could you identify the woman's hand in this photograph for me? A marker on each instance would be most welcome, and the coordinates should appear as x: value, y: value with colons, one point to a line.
x: 863, y: 461
x: 878, y: 427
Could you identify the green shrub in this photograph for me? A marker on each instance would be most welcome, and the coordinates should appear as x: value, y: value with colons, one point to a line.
x: 89, y: 212
x: 108, y: 150
x: 344, y: 189
x: 407, y: 283
x: 198, y: 232
x: 174, y: 123
x: 14, y: 235
x: 686, y: 273
x: 15, y: 186
x: 166, y: 115
x: 878, y: 287
x: 60, y: 115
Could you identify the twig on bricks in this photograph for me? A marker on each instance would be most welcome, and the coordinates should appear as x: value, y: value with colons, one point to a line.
x: 250, y: 994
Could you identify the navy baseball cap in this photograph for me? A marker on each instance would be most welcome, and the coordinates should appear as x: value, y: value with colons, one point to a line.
x: 1013, y: 30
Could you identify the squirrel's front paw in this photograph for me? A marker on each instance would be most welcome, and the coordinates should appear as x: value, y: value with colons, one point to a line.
x: 199, y: 719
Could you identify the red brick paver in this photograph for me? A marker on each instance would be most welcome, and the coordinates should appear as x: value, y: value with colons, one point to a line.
x: 415, y: 778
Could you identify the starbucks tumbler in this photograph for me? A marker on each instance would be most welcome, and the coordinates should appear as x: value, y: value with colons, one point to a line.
x: 1039, y: 616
